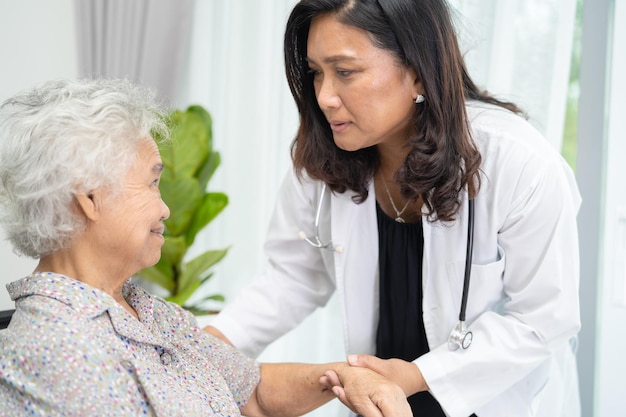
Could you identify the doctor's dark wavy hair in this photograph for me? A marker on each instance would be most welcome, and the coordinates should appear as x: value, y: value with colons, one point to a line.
x: 420, y: 34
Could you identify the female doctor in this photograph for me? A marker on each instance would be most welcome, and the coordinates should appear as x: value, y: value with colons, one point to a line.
x: 446, y: 223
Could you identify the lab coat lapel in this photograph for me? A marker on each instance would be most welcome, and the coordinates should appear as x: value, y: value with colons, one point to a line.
x: 354, y: 229
x: 444, y: 249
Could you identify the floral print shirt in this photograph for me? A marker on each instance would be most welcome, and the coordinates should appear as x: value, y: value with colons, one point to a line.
x: 72, y: 350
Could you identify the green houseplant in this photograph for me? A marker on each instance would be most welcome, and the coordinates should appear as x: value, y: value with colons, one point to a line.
x: 189, y: 163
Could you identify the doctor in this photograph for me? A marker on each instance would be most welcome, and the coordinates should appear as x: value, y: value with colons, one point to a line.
x: 395, y: 142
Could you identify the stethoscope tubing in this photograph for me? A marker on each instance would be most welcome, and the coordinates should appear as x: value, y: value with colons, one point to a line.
x: 316, y: 241
x: 459, y: 337
x: 468, y: 260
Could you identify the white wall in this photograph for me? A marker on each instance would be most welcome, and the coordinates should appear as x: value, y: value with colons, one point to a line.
x: 36, y: 44
x: 600, y: 171
x: 611, y: 308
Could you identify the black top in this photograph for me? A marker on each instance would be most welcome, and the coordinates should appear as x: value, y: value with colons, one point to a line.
x: 401, y: 331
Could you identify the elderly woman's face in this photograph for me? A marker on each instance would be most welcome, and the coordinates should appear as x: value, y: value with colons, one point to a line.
x: 131, y: 226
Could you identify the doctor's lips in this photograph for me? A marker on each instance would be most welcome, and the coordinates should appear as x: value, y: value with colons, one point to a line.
x: 339, y: 126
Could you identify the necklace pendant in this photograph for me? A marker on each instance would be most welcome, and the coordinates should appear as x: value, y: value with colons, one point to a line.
x: 398, y: 213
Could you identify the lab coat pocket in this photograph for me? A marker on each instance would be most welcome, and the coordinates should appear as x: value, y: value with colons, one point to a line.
x: 486, y: 288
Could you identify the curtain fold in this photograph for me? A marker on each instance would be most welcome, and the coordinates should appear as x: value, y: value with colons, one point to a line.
x: 145, y: 41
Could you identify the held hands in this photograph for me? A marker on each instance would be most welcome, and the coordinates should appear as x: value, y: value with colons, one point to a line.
x: 406, y: 374
x: 366, y: 392
x: 385, y: 377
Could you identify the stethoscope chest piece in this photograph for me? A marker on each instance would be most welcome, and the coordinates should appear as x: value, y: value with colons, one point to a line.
x: 460, y: 337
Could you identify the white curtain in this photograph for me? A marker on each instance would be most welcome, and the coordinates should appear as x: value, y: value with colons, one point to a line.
x: 518, y: 49
x: 145, y: 41
x: 235, y: 70
x: 521, y: 50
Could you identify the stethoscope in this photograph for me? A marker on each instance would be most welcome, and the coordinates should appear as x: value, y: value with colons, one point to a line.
x: 459, y: 337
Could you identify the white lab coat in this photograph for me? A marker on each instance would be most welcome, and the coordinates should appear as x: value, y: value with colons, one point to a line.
x: 523, y: 305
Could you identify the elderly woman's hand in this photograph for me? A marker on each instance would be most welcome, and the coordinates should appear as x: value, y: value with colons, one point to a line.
x: 366, y: 392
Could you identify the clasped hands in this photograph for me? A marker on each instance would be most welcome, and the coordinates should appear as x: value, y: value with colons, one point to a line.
x: 374, y: 387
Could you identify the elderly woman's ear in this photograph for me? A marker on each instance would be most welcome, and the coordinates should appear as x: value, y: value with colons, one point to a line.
x: 89, y: 204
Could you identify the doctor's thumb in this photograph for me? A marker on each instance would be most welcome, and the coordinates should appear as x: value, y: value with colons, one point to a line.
x: 385, y: 367
x: 364, y: 361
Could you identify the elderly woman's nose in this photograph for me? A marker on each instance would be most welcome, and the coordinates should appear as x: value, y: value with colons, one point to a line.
x: 165, y: 210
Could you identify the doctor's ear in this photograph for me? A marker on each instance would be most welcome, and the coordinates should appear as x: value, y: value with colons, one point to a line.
x: 418, y: 86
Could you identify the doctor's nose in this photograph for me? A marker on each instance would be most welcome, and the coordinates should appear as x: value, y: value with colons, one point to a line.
x: 327, y: 97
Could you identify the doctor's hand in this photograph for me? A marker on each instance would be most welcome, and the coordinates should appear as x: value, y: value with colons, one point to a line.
x: 367, y: 393
x: 213, y: 331
x: 406, y: 374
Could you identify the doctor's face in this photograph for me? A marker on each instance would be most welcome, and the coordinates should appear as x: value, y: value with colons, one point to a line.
x: 366, y: 95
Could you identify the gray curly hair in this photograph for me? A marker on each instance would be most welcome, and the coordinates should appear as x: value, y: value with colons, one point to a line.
x: 63, y: 138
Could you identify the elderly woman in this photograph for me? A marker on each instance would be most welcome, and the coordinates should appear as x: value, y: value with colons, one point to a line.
x: 79, y: 190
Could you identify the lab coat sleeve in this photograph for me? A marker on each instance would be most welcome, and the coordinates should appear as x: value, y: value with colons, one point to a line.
x: 294, y: 282
x: 515, y: 340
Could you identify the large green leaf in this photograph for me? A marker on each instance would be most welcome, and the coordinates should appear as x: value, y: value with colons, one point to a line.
x: 196, y: 269
x: 212, y: 297
x: 211, y: 162
x: 208, y: 169
x: 172, y: 253
x: 199, y: 309
x: 206, y: 119
x: 190, y: 145
x: 182, y: 296
x: 212, y: 204
x: 189, y: 163
x: 159, y: 276
x: 183, y: 197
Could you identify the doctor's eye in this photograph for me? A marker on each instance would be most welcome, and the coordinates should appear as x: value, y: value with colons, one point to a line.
x: 313, y: 72
x: 343, y: 73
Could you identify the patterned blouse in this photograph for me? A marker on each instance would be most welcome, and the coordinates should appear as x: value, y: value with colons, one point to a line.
x: 72, y: 350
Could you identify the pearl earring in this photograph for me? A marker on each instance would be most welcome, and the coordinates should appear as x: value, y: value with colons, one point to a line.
x: 419, y: 99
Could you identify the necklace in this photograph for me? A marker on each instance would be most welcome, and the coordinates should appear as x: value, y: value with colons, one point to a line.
x: 398, y: 218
